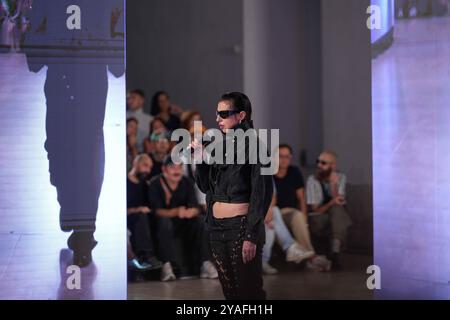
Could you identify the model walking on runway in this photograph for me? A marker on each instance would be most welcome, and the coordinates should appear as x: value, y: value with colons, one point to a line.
x: 238, y: 198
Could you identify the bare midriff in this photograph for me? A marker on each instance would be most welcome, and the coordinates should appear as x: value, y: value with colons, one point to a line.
x: 223, y: 210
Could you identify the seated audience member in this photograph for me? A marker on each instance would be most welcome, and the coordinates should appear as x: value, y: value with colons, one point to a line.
x: 292, y: 203
x: 138, y: 209
x: 136, y: 103
x: 157, y: 128
x: 188, y: 118
x: 326, y: 197
x: 162, y: 108
x: 160, y: 152
x: 132, y: 150
x: 189, y: 172
x: 133, y: 261
x: 178, y: 224
x: 275, y: 228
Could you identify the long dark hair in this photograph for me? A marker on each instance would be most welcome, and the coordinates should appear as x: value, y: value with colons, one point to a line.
x: 239, y: 102
x: 155, y: 102
x: 152, y: 123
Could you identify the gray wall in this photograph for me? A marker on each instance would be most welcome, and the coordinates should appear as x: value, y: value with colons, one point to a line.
x: 282, y: 70
x: 192, y: 49
x: 347, y: 106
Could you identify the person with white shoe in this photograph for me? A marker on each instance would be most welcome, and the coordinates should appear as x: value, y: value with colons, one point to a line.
x: 276, y: 228
x: 180, y: 234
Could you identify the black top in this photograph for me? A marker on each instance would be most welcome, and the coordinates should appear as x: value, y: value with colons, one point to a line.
x: 238, y: 183
x: 157, y: 166
x: 173, y: 123
x: 137, y: 194
x: 184, y: 195
x: 287, y: 188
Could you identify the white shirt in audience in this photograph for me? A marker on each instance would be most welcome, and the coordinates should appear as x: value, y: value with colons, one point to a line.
x: 314, y: 194
x: 144, y: 120
x: 201, y: 197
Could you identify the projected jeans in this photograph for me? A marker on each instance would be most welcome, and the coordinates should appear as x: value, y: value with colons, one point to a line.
x: 76, y: 100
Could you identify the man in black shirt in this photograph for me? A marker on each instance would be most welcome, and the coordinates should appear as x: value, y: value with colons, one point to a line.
x: 138, y: 209
x: 179, y: 225
x: 292, y: 202
x: 162, y: 149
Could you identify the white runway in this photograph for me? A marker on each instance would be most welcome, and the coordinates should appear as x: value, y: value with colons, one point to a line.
x: 411, y: 148
x: 32, y: 255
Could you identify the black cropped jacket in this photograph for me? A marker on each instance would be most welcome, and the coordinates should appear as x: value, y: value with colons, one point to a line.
x: 238, y: 183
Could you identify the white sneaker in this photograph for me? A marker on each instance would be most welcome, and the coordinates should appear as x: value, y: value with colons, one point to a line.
x: 297, y: 254
x: 208, y: 271
x: 319, y: 263
x: 268, y: 269
x: 167, y: 272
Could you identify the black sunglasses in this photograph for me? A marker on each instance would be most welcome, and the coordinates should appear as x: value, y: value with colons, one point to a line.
x: 322, y: 162
x: 226, y: 113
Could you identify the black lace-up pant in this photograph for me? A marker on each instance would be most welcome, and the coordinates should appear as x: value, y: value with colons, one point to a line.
x: 239, y: 281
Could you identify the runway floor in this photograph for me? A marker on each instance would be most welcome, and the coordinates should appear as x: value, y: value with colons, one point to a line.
x: 411, y: 150
x: 33, y: 254
x: 292, y: 283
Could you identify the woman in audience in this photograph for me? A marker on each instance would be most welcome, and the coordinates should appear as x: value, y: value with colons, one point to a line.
x: 157, y: 127
x: 162, y: 108
x: 188, y: 117
x: 132, y: 148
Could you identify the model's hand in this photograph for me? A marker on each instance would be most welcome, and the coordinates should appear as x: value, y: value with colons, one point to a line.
x: 248, y: 251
